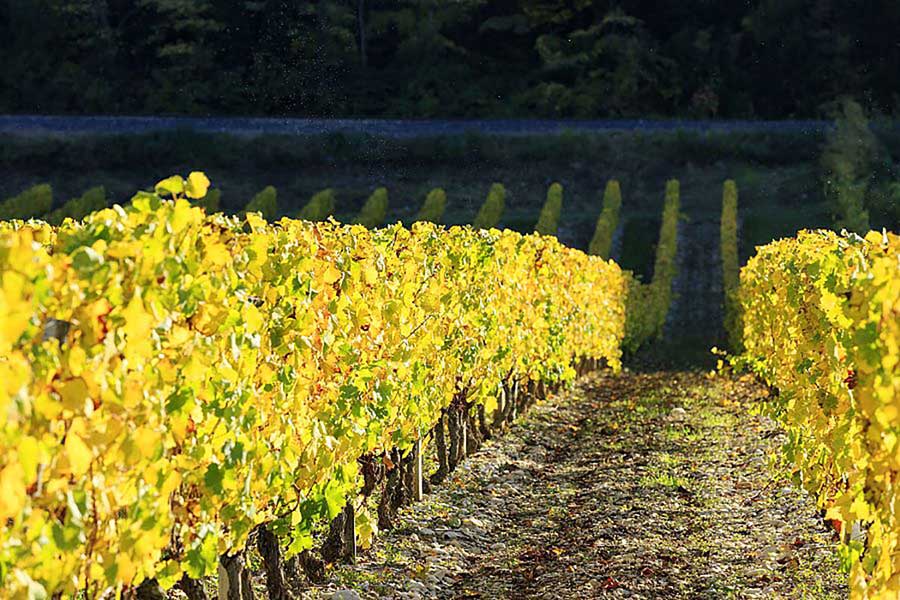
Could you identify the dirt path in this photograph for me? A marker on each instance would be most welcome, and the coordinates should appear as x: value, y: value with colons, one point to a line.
x: 636, y: 486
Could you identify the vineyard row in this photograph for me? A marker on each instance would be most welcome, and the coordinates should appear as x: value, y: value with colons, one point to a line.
x: 177, y: 383
x: 821, y: 325
x: 817, y: 317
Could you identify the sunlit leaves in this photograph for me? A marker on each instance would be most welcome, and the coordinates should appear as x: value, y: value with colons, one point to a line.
x: 172, y: 186
x: 822, y: 324
x: 196, y: 185
x: 212, y: 373
x: 12, y: 490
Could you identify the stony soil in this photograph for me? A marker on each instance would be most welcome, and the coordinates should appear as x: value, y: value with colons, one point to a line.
x: 641, y: 485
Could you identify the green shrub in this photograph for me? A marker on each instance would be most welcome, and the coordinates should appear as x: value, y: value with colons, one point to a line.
x: 34, y: 202
x: 548, y: 221
x: 601, y: 243
x: 319, y: 207
x: 374, y: 211
x: 78, y: 208
x: 433, y: 208
x: 492, y: 210
x: 664, y: 268
x: 640, y: 314
x: 211, y: 202
x: 265, y: 202
x: 648, y: 304
x: 731, y: 274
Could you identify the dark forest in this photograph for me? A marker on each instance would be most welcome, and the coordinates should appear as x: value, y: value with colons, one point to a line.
x: 771, y: 59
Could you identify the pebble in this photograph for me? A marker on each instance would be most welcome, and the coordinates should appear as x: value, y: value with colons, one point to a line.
x: 677, y: 414
x: 475, y: 521
x: 345, y: 595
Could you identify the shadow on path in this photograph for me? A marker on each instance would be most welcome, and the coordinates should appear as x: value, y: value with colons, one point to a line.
x: 638, y: 485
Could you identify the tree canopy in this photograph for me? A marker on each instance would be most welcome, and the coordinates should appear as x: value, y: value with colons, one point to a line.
x: 551, y: 58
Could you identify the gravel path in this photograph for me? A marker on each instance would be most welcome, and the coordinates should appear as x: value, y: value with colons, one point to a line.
x: 632, y: 486
x: 399, y: 128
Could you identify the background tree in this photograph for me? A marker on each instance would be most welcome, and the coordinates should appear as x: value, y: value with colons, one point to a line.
x: 581, y: 58
x: 57, y: 56
x: 174, y: 52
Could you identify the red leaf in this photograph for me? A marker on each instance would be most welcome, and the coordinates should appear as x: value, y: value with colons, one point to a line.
x: 609, y: 584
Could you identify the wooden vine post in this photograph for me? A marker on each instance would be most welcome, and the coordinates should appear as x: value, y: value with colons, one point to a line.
x: 418, y: 470
x: 349, y: 533
x: 464, y: 443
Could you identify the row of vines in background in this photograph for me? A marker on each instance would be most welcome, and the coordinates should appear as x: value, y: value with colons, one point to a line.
x: 728, y: 240
x: 491, y: 211
x: 374, y: 211
x: 37, y: 202
x: 319, y: 207
x: 548, y: 219
x: 821, y: 325
x: 608, y: 222
x: 433, y: 208
x: 177, y: 385
x: 648, y: 303
x: 651, y: 301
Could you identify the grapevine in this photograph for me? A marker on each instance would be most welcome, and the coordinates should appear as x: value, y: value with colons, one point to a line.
x: 822, y: 325
x: 172, y: 380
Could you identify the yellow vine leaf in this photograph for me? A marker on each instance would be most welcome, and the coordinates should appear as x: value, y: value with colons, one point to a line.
x: 12, y: 490
x: 79, y: 454
x: 197, y: 185
x: 172, y: 185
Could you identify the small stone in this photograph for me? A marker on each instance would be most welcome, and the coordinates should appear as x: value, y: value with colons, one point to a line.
x: 345, y: 595
x: 427, y: 532
x: 476, y: 522
x: 416, y: 586
x: 677, y: 414
x: 414, y: 538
